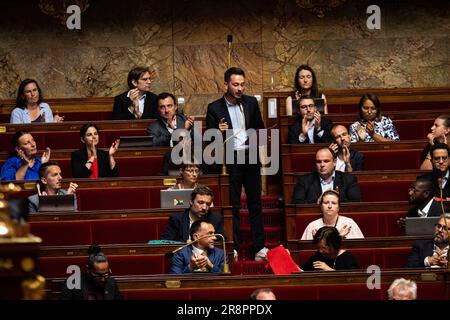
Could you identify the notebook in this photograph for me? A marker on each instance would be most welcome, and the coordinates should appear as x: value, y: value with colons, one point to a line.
x: 417, y: 226
x: 178, y: 198
x: 136, y: 141
x: 61, y: 202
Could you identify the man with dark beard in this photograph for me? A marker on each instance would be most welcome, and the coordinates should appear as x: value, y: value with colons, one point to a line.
x: 432, y: 253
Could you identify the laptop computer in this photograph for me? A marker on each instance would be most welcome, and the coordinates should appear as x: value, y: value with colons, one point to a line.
x: 177, y: 198
x: 136, y: 141
x: 417, y: 226
x: 60, y: 202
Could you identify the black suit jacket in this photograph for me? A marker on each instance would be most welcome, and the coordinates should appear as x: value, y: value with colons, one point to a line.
x: 420, y: 250
x: 162, y: 136
x: 435, y: 210
x: 111, y: 290
x: 178, y: 227
x: 79, y: 159
x: 218, y: 110
x: 308, y: 189
x: 295, y: 129
x: 434, y: 176
x: 122, y: 103
x: 356, y: 160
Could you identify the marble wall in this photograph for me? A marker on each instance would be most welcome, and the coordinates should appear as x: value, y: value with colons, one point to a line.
x: 184, y: 42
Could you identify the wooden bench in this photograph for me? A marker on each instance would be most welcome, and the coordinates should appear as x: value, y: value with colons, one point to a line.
x: 128, y: 193
x: 399, y: 155
x: 383, y: 185
x: 432, y: 284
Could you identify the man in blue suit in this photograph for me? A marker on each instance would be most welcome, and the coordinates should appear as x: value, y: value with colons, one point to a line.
x: 201, y: 256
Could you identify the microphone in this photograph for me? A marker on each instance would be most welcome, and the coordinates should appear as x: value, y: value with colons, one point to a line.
x: 226, y: 267
x: 230, y: 41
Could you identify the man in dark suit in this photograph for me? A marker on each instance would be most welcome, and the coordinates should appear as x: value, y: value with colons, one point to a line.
x: 201, y: 256
x: 432, y: 253
x: 348, y: 159
x: 440, y: 174
x: 138, y: 102
x: 310, y: 126
x: 238, y: 112
x: 310, y: 186
x: 200, y: 203
x: 168, y: 121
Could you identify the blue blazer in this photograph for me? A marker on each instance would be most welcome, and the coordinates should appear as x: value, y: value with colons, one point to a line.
x: 181, y: 260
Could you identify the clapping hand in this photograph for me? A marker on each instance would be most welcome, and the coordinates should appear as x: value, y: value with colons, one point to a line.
x: 114, y: 147
x: 189, y: 123
x: 370, y: 128
x: 345, y: 230
x: 361, y: 132
x: 72, y: 188
x: 305, y: 125
x: 46, y: 155
x: 318, y: 119
x: 58, y: 118
x: 334, y: 147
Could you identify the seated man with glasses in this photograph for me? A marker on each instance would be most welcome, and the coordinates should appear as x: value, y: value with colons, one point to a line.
x: 310, y: 126
x: 440, y: 174
x: 96, y: 284
x: 179, y: 223
x: 432, y: 253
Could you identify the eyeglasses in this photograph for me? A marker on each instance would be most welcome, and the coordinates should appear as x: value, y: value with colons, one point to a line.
x: 440, y: 226
x: 100, y: 275
x: 310, y: 106
x: 192, y: 171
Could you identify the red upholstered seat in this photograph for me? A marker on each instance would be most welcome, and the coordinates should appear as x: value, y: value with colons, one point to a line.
x: 373, y: 160
x: 55, y: 267
x: 114, y: 231
x: 126, y: 231
x: 60, y: 233
x: 384, y: 190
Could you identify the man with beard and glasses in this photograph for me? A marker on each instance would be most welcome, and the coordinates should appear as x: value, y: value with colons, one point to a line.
x: 432, y: 253
x: 440, y: 174
x: 96, y: 283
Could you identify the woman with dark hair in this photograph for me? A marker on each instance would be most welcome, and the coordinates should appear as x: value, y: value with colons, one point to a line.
x: 439, y: 134
x: 96, y: 283
x: 329, y: 204
x: 188, y: 178
x: 306, y: 84
x: 329, y: 255
x: 29, y: 106
x: 372, y: 125
x: 90, y: 162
